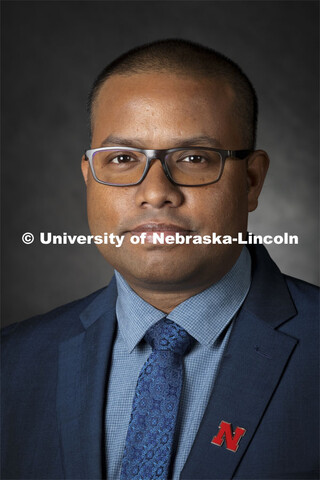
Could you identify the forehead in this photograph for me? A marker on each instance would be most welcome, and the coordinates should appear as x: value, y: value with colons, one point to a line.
x: 154, y: 104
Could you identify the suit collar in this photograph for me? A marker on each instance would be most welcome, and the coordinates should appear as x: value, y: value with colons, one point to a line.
x: 104, y: 303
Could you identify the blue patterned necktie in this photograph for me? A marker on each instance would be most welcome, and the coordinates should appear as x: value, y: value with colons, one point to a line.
x: 155, y: 404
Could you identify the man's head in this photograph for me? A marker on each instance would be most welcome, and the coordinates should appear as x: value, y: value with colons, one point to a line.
x: 163, y: 108
x: 186, y: 58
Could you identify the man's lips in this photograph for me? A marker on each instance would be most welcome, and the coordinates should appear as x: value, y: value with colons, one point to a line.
x: 169, y: 228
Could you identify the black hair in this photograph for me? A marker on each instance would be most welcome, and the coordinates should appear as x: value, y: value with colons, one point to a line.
x: 185, y: 57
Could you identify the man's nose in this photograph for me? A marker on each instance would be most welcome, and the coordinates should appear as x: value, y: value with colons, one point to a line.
x: 156, y: 190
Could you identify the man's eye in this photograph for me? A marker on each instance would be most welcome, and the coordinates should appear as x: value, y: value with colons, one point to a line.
x: 194, y: 159
x: 122, y: 159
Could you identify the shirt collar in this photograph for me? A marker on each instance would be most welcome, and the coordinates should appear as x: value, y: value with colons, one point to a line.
x: 204, y: 316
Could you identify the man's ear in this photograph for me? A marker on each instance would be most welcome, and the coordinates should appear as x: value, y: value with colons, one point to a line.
x: 85, y: 168
x: 257, y: 167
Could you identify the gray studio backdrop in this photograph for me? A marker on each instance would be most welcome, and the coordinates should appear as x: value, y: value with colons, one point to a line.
x: 51, y: 52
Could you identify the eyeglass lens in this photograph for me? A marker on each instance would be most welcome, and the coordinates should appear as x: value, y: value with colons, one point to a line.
x: 187, y: 167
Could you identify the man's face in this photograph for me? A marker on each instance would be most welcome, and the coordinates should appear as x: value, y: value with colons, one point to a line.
x: 161, y: 111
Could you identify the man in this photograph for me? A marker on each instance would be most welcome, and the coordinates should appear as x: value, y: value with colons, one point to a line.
x: 198, y: 361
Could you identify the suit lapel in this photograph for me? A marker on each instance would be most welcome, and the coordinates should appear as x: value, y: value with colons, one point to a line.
x: 251, y: 368
x: 249, y: 374
x: 82, y: 376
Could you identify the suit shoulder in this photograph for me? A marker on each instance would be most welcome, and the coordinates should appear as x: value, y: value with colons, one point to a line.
x: 50, y: 323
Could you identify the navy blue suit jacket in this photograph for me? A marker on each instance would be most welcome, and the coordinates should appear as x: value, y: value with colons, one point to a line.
x: 55, y: 374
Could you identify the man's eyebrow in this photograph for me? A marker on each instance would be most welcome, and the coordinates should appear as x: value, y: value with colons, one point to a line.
x: 201, y: 140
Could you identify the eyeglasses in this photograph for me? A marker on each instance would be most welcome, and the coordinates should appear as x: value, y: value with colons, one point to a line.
x: 187, y: 167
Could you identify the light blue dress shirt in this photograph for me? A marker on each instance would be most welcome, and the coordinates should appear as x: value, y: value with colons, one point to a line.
x: 206, y: 316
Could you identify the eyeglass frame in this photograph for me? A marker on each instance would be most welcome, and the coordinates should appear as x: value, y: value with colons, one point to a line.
x: 152, y: 154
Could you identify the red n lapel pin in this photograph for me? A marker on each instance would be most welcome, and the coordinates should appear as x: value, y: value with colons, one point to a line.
x: 225, y: 433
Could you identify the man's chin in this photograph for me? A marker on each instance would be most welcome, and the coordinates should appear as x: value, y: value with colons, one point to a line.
x: 160, y: 282
x: 167, y: 267
x: 163, y: 272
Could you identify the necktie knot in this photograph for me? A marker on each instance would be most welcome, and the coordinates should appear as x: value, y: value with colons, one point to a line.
x: 167, y: 335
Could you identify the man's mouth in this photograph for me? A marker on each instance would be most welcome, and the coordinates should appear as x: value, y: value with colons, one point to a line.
x: 151, y: 228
